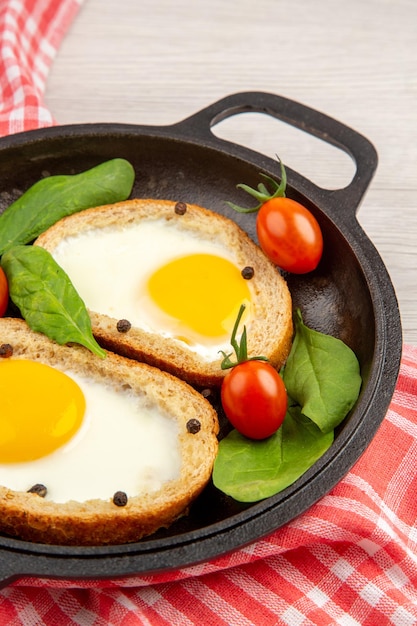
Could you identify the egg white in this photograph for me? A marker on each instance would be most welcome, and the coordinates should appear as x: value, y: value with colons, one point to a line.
x: 109, y: 268
x: 122, y: 445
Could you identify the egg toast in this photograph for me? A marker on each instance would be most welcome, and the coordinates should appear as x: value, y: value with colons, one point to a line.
x: 166, y: 243
x: 28, y: 506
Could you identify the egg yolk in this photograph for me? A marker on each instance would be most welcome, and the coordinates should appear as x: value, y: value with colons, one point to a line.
x: 41, y: 408
x: 203, y: 291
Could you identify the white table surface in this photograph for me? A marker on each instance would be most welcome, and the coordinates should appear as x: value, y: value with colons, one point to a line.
x: 158, y: 61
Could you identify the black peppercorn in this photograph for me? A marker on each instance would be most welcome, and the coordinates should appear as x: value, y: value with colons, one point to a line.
x: 6, y: 351
x: 180, y: 208
x: 193, y: 426
x: 248, y: 272
x: 123, y: 326
x: 39, y: 489
x: 120, y: 498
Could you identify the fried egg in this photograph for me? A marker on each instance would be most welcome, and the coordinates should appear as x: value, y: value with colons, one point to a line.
x: 162, y: 278
x: 79, y: 437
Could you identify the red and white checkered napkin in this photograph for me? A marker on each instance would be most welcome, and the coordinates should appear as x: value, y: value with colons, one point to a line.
x: 350, y: 560
x: 30, y: 33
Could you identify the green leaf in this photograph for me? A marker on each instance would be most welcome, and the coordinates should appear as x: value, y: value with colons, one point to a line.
x: 303, y: 444
x: 54, y: 197
x: 249, y: 470
x: 322, y: 375
x: 46, y: 298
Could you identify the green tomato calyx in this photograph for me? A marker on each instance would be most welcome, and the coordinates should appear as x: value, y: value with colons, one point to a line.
x: 241, y: 349
x: 261, y: 193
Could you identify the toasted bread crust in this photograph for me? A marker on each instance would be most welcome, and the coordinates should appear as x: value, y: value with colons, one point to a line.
x: 269, y: 332
x: 99, y: 522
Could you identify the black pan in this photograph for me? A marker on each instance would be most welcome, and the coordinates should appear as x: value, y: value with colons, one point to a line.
x: 350, y: 295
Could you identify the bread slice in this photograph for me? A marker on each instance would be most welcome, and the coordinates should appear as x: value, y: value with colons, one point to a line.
x: 269, y: 327
x: 98, y: 522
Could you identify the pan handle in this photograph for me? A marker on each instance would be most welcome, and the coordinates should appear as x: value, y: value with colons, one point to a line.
x: 305, y: 118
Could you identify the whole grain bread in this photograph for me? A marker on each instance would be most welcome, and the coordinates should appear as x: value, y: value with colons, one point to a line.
x: 98, y: 522
x: 269, y: 329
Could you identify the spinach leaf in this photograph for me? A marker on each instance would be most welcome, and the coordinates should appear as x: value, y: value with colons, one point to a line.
x: 54, y: 197
x: 249, y: 470
x: 303, y: 444
x: 322, y: 375
x: 46, y: 297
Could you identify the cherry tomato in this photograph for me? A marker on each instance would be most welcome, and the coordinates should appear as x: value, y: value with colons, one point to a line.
x: 4, y: 293
x: 289, y: 235
x: 254, y: 398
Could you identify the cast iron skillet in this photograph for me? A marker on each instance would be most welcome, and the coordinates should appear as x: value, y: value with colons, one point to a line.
x: 350, y: 296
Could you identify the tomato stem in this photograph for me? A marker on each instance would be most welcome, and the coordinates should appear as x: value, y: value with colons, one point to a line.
x: 241, y: 349
x: 261, y: 193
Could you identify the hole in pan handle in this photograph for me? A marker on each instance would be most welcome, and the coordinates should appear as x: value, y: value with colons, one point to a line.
x: 318, y: 124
